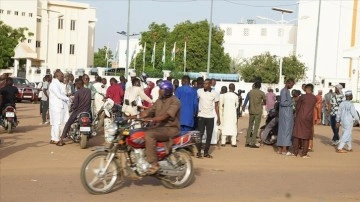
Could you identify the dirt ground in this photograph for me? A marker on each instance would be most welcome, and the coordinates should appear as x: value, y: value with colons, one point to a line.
x: 32, y: 169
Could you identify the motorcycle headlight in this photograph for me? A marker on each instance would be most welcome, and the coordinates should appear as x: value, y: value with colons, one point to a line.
x: 111, y: 129
x: 126, y: 132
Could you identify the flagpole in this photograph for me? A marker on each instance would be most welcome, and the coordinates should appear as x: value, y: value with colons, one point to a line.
x: 185, y: 57
x: 127, y: 42
x: 210, y: 34
x: 144, y: 52
x: 154, y: 55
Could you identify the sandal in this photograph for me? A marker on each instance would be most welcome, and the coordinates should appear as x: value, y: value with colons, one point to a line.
x: 53, y: 142
x: 153, y: 169
x: 60, y: 144
x: 348, y: 150
x: 208, y: 156
x: 199, y: 156
x: 341, y: 151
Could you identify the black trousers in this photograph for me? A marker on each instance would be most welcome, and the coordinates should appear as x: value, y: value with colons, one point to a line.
x: 208, y: 124
x: 44, y: 109
x: 67, y: 126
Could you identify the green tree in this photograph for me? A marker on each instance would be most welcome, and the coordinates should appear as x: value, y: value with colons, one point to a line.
x: 9, y: 39
x: 100, y: 57
x: 196, y: 37
x: 266, y: 67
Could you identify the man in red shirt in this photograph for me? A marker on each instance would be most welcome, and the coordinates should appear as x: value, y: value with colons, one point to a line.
x: 115, y: 92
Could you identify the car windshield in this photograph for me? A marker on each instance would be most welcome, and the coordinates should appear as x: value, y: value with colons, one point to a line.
x: 20, y: 81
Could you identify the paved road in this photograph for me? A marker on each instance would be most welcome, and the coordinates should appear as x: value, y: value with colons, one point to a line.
x: 32, y: 169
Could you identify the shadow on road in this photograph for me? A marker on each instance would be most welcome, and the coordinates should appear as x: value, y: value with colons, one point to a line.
x: 8, y: 147
x: 323, y: 139
x: 25, y: 129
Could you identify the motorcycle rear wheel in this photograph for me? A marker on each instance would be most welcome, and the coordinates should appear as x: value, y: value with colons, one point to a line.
x: 9, y: 127
x: 185, y: 180
x: 94, y: 178
x: 83, y: 141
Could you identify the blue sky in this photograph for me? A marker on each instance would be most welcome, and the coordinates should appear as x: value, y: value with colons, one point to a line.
x: 112, y: 14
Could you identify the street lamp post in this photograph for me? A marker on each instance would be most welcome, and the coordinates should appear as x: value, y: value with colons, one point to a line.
x: 47, y: 32
x: 282, y: 40
x: 127, y: 42
x: 316, y: 43
x: 210, y: 33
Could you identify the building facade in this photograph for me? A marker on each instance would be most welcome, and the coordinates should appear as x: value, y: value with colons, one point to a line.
x: 63, y: 33
x: 337, y: 32
x: 243, y: 41
x: 120, y: 52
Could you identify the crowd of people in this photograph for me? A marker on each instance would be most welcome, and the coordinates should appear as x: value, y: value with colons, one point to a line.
x: 201, y: 108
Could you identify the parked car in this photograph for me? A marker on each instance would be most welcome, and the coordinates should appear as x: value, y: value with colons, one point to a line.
x: 26, y: 90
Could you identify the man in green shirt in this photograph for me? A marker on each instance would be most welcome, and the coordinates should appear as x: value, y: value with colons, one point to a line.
x: 257, y: 99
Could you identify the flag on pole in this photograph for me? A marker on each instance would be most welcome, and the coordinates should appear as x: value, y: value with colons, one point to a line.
x: 185, y: 53
x: 107, y: 52
x: 134, y: 52
x: 153, y: 54
x: 144, y: 52
x: 173, y: 52
x: 117, y: 53
x: 163, y: 53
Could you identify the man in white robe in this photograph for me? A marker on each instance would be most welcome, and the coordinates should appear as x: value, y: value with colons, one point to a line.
x: 99, y: 95
x: 57, y: 106
x: 229, y: 103
x: 132, y: 94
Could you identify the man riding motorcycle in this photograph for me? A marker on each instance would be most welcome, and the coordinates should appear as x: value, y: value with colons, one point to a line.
x: 165, y: 114
x: 8, y: 95
x: 82, y: 103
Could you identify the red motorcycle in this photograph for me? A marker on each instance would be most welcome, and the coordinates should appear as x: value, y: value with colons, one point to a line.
x: 9, y: 118
x: 125, y: 157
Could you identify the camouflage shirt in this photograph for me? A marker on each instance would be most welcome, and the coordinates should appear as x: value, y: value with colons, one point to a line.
x: 336, y: 99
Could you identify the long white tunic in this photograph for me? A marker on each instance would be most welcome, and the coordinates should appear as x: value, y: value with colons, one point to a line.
x: 98, y: 98
x: 57, y: 102
x: 230, y: 103
x: 132, y: 94
x: 346, y: 114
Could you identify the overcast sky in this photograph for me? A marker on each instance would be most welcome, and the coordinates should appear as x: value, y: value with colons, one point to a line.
x: 112, y: 14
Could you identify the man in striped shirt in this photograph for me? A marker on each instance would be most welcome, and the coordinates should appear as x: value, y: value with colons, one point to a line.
x: 335, y: 101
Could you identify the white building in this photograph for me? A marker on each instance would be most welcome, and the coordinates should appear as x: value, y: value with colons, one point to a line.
x: 247, y: 40
x: 120, y: 53
x: 337, y: 32
x: 64, y: 33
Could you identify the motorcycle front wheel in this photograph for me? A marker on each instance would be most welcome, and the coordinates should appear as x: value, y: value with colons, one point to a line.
x: 186, y: 179
x: 95, y: 178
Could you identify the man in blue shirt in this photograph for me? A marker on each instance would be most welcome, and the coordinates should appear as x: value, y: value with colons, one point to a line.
x: 189, y: 104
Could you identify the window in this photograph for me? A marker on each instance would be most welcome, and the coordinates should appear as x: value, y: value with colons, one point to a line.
x: 16, y: 13
x: 29, y: 40
x: 229, y: 31
x: 263, y: 31
x: 8, y: 12
x: 60, y: 23
x: 59, y: 48
x: 38, y: 20
x: 30, y: 15
x: 72, y: 25
x: 1, y: 11
x: 23, y: 14
x: 38, y: 44
x: 280, y: 32
x: 246, y: 32
x: 72, y: 49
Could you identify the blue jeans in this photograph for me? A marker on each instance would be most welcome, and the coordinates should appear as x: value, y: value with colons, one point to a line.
x: 334, y: 128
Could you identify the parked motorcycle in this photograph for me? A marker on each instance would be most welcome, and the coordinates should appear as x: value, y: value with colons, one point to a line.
x: 125, y: 157
x: 268, y: 132
x: 81, y: 130
x: 108, y: 112
x: 8, y: 118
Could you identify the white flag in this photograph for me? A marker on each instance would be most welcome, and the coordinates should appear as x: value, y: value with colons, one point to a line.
x: 163, y: 53
x: 185, y: 53
x: 153, y: 54
x: 173, y: 52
